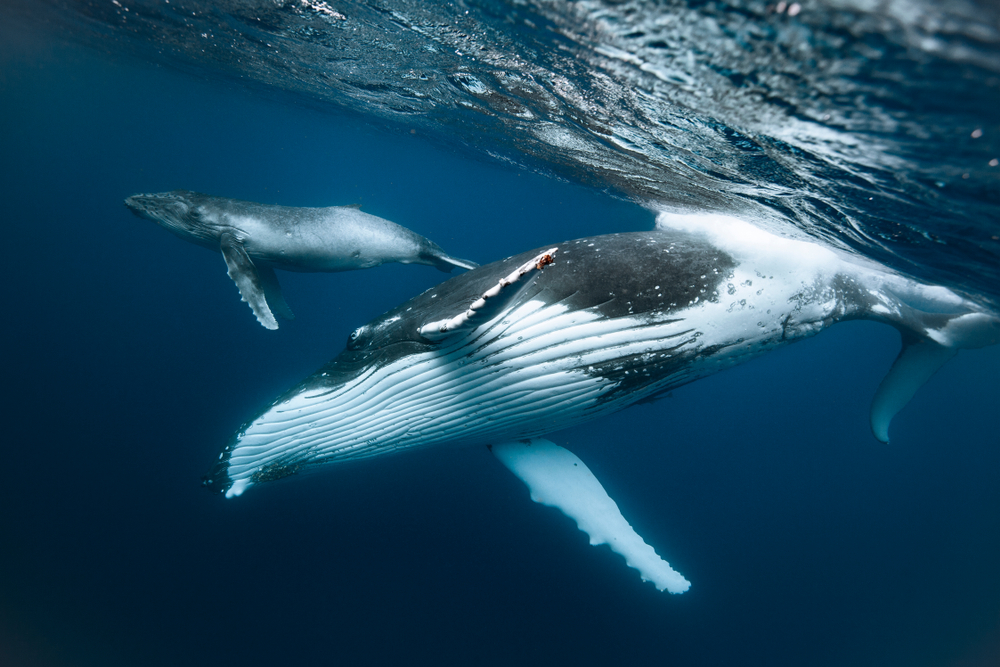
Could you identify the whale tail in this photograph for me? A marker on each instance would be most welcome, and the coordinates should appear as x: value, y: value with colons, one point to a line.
x: 934, y: 323
x: 442, y: 261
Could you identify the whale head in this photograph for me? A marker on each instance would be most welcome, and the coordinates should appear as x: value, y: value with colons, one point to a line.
x: 522, y: 347
x: 554, y: 337
x: 178, y: 211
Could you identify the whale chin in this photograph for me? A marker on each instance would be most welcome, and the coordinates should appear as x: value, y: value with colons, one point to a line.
x: 446, y: 394
x: 164, y: 208
x: 552, y: 338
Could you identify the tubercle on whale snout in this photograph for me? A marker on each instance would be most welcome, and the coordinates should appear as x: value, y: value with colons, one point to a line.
x: 216, y: 480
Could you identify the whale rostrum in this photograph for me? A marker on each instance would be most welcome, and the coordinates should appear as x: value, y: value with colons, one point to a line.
x: 255, y: 239
x: 541, y: 341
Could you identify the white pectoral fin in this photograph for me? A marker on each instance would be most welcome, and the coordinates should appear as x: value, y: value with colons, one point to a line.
x: 557, y: 478
x: 917, y: 362
x: 490, y: 303
x: 244, y: 274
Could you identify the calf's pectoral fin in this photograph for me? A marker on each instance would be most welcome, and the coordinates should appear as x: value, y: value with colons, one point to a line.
x: 919, y: 359
x: 557, y: 478
x: 244, y: 274
x: 272, y: 291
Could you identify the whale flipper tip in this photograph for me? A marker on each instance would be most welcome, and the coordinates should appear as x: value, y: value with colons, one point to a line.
x: 557, y: 478
x: 272, y: 291
x: 245, y: 275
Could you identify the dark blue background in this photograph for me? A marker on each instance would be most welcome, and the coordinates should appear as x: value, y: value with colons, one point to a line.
x: 129, y: 359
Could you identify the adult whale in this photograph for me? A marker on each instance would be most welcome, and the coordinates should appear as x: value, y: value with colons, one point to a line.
x: 255, y: 239
x: 550, y: 338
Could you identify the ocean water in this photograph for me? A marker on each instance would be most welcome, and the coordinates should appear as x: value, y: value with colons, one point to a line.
x: 129, y: 358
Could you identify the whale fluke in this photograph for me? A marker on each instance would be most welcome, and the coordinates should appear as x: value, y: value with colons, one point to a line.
x: 558, y: 478
x: 442, y: 261
x: 934, y: 324
x: 551, y: 338
x: 916, y: 363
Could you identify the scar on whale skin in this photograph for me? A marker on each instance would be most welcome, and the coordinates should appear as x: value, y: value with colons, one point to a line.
x: 507, y: 353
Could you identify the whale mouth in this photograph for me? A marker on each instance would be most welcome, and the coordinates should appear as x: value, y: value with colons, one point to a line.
x: 160, y: 207
x: 138, y: 204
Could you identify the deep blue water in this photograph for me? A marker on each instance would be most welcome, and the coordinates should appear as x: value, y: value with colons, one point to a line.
x: 129, y: 360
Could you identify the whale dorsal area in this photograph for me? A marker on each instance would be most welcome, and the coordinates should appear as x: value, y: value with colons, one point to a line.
x: 491, y: 302
x: 558, y: 478
x: 264, y: 237
x: 247, y: 279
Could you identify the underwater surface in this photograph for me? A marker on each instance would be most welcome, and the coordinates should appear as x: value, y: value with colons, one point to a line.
x: 491, y: 128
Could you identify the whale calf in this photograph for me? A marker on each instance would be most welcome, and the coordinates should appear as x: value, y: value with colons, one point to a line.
x: 538, y: 342
x: 255, y: 239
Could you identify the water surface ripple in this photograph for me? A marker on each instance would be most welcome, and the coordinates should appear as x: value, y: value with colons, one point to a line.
x: 871, y: 125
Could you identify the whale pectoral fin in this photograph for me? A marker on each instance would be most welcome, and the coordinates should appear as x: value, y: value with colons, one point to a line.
x: 247, y: 280
x: 272, y: 291
x: 490, y: 303
x: 919, y: 359
x: 557, y: 478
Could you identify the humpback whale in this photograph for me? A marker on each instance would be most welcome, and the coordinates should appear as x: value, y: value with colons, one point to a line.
x: 255, y: 239
x: 511, y: 351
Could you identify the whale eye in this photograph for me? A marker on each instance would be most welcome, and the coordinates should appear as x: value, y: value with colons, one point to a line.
x: 354, y: 340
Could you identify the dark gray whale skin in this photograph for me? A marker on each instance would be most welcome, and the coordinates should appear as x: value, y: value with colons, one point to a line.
x: 623, y: 317
x: 256, y: 238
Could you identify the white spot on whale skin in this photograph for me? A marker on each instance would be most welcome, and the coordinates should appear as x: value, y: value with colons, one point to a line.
x: 238, y: 487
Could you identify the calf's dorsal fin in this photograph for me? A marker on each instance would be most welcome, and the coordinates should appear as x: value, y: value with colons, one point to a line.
x: 557, y: 478
x: 490, y: 303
